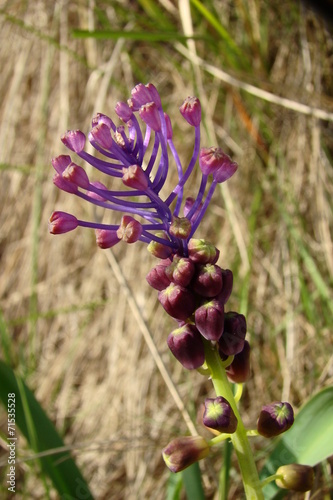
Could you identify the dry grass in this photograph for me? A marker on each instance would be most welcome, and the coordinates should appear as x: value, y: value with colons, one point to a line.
x: 74, y: 336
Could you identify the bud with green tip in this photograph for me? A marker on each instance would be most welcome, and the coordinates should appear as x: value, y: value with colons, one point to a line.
x: 202, y: 252
x: 274, y: 419
x: 180, y: 227
x: 177, y: 301
x: 219, y: 415
x: 180, y: 271
x: 208, y: 280
x: 185, y: 451
x: 187, y: 346
x: 157, y: 278
x: 295, y: 477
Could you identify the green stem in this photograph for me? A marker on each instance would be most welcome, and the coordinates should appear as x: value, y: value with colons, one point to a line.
x: 239, y: 439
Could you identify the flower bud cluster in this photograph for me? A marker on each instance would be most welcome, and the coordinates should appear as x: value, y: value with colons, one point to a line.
x: 193, y: 289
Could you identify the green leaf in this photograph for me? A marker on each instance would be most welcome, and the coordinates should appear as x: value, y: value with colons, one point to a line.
x: 174, y: 486
x: 192, y: 482
x: 42, y: 437
x: 308, y: 442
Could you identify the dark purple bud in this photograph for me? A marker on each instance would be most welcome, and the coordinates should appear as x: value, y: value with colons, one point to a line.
x: 239, y: 370
x: 177, y: 301
x: 180, y: 271
x: 187, y: 346
x: 150, y: 115
x: 202, y: 252
x: 77, y: 175
x: 60, y: 163
x: 208, y: 281
x: 227, y: 283
x: 158, y: 249
x: 274, y: 419
x: 102, y: 135
x: 185, y: 451
x: 232, y: 340
x: 123, y: 111
x: 295, y: 477
x: 106, y: 238
x: 74, y: 140
x: 61, y: 222
x: 219, y: 415
x: 180, y: 228
x: 214, y: 160
x: 191, y: 111
x: 129, y: 230
x: 135, y: 177
x: 209, y: 320
x: 157, y: 277
x: 63, y: 184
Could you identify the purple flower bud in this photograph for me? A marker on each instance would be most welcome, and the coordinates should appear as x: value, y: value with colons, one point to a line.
x: 155, y: 96
x: 74, y: 140
x: 180, y: 228
x: 150, y: 115
x: 213, y: 159
x: 157, y: 277
x: 168, y: 126
x: 102, y: 135
x: 274, y: 419
x: 295, y: 477
x: 202, y: 252
x: 225, y: 171
x: 219, y: 415
x: 140, y: 96
x: 123, y: 111
x: 129, y: 230
x: 177, y: 301
x: 180, y: 271
x: 187, y: 346
x: 77, y: 175
x: 64, y: 185
x: 60, y: 163
x: 209, y: 320
x: 101, y: 118
x: 191, y: 111
x: 135, y: 177
x: 227, y: 283
x: 189, y: 202
x: 239, y: 370
x: 232, y: 340
x: 208, y: 280
x: 185, y: 451
x: 106, y: 238
x: 61, y: 222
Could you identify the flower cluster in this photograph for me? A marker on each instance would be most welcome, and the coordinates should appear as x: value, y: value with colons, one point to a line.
x: 138, y: 154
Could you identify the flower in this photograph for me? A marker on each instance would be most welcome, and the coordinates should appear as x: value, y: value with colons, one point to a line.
x: 295, y: 477
x: 275, y: 418
x: 139, y: 154
x: 185, y: 451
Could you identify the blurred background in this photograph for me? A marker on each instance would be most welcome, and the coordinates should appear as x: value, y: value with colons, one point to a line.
x: 263, y: 72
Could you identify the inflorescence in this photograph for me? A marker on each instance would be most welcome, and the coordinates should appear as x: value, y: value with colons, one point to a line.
x: 191, y: 287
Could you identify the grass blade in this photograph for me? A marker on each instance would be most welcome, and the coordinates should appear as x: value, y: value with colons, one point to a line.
x: 42, y: 435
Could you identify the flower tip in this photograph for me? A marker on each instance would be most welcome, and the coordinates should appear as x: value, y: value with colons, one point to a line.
x: 135, y: 177
x: 191, y: 111
x: 62, y: 222
x: 214, y: 161
x: 129, y: 230
x: 74, y: 140
x: 106, y: 238
x: 101, y: 135
x: 124, y: 112
x: 150, y: 115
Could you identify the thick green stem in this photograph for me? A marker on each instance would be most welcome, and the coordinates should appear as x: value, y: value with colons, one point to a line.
x: 239, y: 439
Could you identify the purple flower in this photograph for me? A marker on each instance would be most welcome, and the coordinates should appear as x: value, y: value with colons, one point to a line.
x: 139, y: 153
